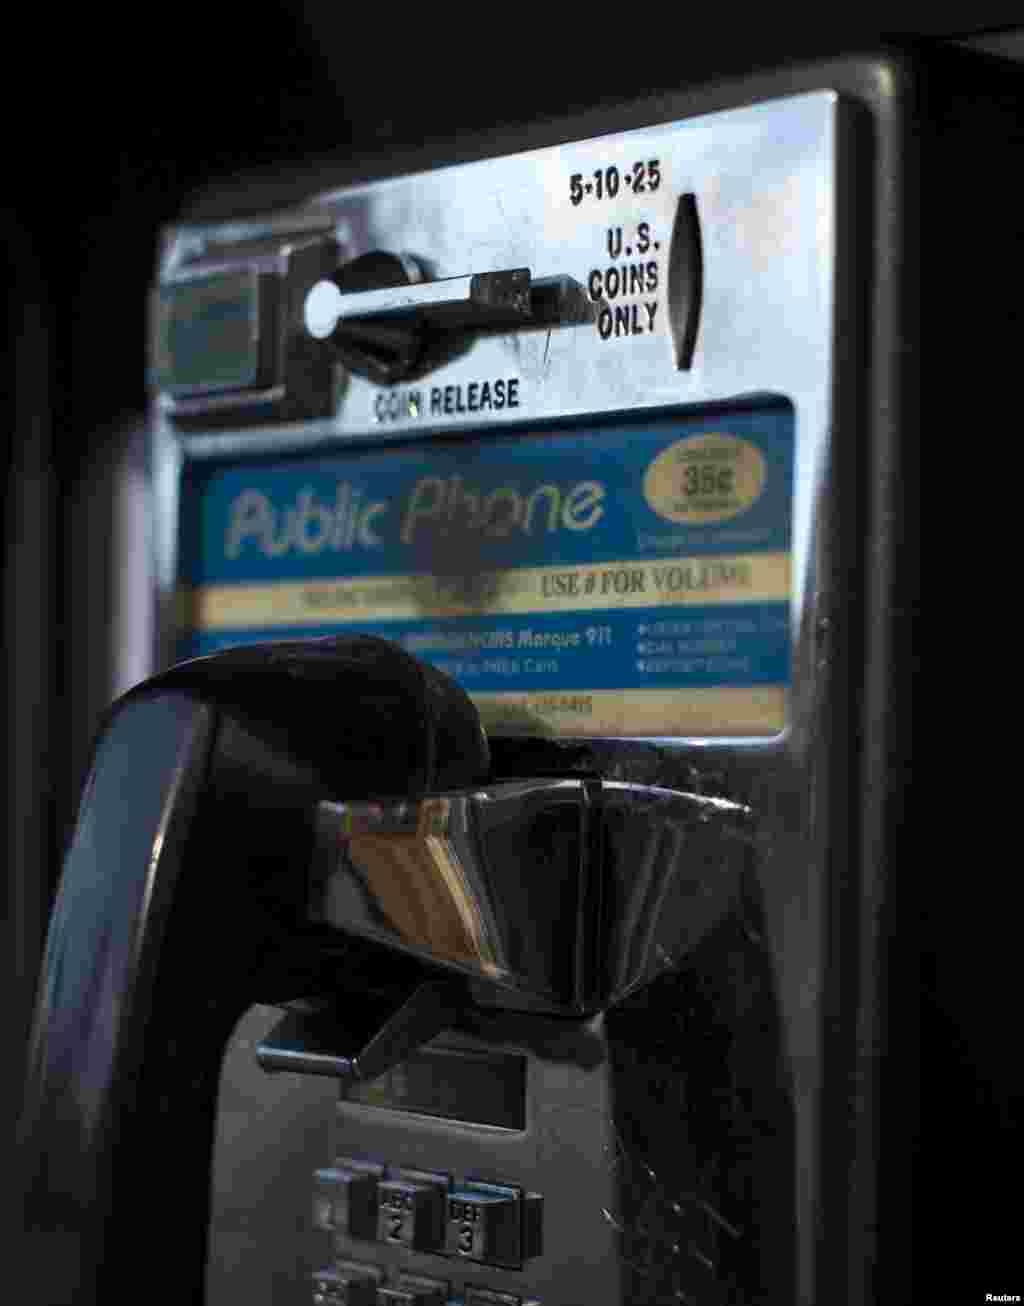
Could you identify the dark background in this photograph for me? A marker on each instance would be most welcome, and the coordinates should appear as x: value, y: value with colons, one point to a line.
x: 111, y: 125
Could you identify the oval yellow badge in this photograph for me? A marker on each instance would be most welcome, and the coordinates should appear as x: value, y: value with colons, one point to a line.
x: 705, y: 478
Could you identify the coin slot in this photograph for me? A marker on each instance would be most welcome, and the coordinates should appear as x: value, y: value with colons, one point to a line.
x: 685, y: 281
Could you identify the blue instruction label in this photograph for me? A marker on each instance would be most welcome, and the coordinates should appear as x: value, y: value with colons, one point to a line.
x: 628, y: 579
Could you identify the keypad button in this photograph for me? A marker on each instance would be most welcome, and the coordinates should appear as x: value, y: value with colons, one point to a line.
x: 358, y: 1166
x: 533, y: 1226
x: 357, y: 1268
x: 494, y: 1223
x: 398, y: 1296
x: 483, y: 1225
x: 338, y: 1287
x: 435, y: 1179
x: 357, y: 1163
x: 440, y: 1288
x: 345, y: 1202
x: 410, y: 1215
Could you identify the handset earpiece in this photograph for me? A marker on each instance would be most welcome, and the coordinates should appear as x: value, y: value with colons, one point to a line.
x: 182, y: 902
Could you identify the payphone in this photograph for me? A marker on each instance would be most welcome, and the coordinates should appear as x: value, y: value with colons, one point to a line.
x: 571, y: 978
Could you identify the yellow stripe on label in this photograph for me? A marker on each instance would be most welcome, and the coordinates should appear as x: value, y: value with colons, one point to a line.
x: 665, y: 583
x: 760, y: 710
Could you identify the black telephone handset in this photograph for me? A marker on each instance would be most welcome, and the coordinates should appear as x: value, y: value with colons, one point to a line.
x: 184, y: 900
x: 312, y: 826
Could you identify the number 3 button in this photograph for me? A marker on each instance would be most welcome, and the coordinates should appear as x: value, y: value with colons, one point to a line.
x: 483, y: 1225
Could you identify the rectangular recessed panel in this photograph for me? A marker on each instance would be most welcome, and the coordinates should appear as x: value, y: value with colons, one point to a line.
x: 473, y: 1087
x: 207, y: 333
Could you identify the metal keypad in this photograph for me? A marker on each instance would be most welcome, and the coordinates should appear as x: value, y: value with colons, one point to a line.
x: 419, y: 1211
x: 425, y: 1211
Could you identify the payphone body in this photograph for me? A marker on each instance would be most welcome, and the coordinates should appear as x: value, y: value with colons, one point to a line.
x: 616, y: 426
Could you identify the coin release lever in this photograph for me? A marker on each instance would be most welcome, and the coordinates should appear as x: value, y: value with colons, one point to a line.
x: 386, y: 322
x: 483, y: 299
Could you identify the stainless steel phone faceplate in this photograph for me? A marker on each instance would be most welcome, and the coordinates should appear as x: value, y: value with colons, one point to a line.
x: 756, y: 203
x: 696, y: 264
x: 763, y: 182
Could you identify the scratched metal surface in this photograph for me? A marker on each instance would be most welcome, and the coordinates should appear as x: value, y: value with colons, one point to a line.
x: 763, y: 180
x: 683, y: 1165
